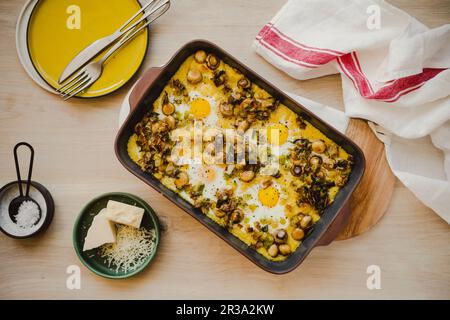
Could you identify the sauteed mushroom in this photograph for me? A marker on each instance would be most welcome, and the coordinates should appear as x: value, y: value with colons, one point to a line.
x: 273, y: 250
x: 219, y: 78
x: 156, y: 127
x: 276, y: 174
x: 267, y: 182
x: 318, y: 146
x: 302, y: 143
x: 212, y: 61
x: 171, y: 122
x: 298, y: 234
x: 304, y: 223
x: 194, y: 76
x: 296, y: 170
x: 244, y: 83
x: 219, y: 213
x: 200, y: 56
x: 332, y: 150
x: 245, y: 104
x: 247, y: 176
x: 315, y: 161
x: 171, y: 170
x: 243, y: 126
x: 281, y: 236
x: 285, y: 249
x: 235, y: 97
x: 328, y: 163
x: 237, y: 216
x: 226, y: 109
x: 321, y: 174
x: 168, y: 109
x: 340, y: 181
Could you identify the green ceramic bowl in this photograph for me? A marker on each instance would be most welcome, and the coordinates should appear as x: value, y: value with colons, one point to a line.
x: 90, y: 258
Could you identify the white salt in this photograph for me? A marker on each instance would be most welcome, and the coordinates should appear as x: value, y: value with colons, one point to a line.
x: 28, y: 214
x: 6, y: 196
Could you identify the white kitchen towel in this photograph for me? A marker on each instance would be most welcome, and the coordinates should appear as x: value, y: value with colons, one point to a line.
x: 394, y: 73
x: 331, y: 115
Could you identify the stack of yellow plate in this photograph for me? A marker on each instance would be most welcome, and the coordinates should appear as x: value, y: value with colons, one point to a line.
x: 51, y: 32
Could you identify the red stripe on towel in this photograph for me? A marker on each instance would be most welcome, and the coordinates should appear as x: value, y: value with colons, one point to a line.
x: 358, y: 65
x: 294, y: 51
x: 388, y: 93
x: 330, y: 51
x: 349, y: 67
x: 273, y: 50
x: 306, y: 56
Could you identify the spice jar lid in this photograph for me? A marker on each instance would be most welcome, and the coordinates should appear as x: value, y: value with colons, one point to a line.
x: 40, y: 194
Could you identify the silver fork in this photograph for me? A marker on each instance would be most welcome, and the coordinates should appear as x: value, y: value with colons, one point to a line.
x: 90, y: 73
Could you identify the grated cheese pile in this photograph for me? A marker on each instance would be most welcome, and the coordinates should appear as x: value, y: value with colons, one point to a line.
x: 131, y: 249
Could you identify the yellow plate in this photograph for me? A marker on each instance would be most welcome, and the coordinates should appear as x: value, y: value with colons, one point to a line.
x: 59, y: 29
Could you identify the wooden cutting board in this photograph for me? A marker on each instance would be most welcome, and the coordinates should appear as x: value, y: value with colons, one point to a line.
x: 371, y: 198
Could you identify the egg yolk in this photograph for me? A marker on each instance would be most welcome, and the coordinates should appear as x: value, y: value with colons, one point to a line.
x: 207, y: 174
x: 277, y: 134
x: 200, y: 108
x: 269, y: 196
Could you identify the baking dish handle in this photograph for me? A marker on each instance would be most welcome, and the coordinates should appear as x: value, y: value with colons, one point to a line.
x: 336, y: 226
x: 141, y: 86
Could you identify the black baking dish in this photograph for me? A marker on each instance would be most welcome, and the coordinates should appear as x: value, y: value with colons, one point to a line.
x: 147, y: 90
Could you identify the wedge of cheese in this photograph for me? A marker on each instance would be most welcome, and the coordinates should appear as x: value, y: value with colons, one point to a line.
x: 101, y: 231
x: 124, y: 213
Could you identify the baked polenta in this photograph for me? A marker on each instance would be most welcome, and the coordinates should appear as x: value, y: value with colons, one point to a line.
x: 232, y: 150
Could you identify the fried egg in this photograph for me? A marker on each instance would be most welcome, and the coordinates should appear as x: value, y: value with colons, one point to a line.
x: 201, y: 107
x: 269, y: 196
x: 277, y: 136
x: 210, y: 176
x: 265, y: 203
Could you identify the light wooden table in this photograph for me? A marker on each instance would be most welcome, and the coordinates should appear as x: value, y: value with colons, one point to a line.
x: 75, y: 160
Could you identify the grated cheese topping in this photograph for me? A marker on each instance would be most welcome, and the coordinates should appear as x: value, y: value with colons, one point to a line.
x: 133, y: 246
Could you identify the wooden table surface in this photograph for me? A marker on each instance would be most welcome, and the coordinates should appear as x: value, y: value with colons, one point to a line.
x: 75, y: 160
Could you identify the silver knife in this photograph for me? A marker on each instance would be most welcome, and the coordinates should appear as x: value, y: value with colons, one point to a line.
x: 96, y: 47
